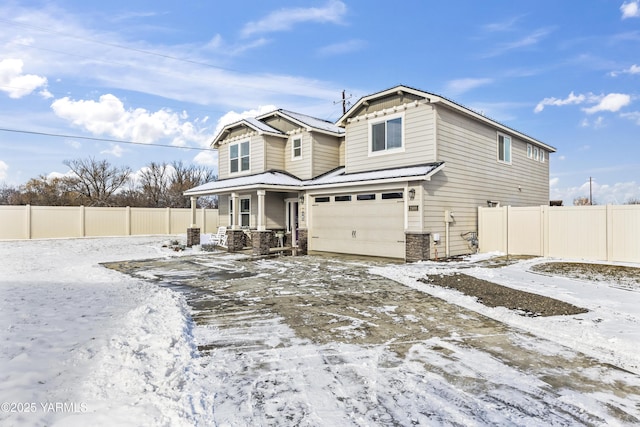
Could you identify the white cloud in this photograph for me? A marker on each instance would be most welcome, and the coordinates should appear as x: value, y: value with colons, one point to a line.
x: 529, y: 40
x: 116, y: 150
x: 108, y: 116
x: 458, y: 86
x: 617, y: 193
x: 342, y: 48
x: 571, y: 99
x: 634, y: 69
x: 206, y: 158
x: 611, y: 102
x: 634, y: 116
x: 630, y: 9
x: 285, y: 19
x: 3, y: 169
x: 232, y: 116
x: 596, y: 123
x: 112, y: 59
x: 17, y: 84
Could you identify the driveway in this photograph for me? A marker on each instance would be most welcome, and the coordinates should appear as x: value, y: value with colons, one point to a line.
x: 321, y: 341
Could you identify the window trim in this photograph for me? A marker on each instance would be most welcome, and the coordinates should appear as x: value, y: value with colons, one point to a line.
x: 240, y: 157
x: 530, y: 151
x: 536, y: 154
x: 504, y: 154
x: 385, y: 119
x: 231, y: 207
x: 293, y: 148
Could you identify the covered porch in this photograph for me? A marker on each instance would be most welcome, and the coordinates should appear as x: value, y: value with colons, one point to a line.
x: 263, y: 213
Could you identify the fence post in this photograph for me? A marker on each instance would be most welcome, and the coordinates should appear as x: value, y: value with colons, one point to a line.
x: 609, y: 231
x: 28, y: 221
x: 168, y: 228
x: 507, y: 212
x: 82, y: 221
x: 204, y: 220
x: 127, y: 221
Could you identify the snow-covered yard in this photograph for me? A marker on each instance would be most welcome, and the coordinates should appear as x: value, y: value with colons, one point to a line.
x: 299, y: 341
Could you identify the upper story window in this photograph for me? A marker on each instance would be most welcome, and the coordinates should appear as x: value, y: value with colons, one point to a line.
x: 504, y: 148
x: 239, y: 157
x: 297, y: 148
x: 386, y: 134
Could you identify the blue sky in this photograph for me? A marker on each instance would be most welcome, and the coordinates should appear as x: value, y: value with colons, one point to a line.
x: 170, y: 73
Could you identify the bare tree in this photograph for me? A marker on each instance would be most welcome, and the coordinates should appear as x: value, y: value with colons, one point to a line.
x: 154, y: 185
x: 633, y: 201
x: 96, y: 181
x: 45, y: 191
x: 583, y: 201
x: 9, y: 195
x: 186, y: 177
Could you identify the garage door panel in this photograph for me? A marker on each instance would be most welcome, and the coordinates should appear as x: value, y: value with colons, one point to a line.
x: 365, y: 227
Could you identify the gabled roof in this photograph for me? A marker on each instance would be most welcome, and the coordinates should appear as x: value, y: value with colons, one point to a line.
x: 437, y: 99
x: 251, y: 123
x: 308, y: 122
x: 282, y: 181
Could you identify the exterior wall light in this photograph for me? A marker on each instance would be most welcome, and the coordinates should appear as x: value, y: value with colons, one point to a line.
x: 412, y: 194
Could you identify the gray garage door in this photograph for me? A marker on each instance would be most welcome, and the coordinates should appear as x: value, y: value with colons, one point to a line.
x: 358, y: 223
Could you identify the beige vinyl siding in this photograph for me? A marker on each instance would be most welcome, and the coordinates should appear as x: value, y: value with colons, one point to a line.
x: 281, y: 124
x: 275, y: 210
x: 300, y: 167
x: 419, y: 142
x: 472, y: 175
x: 275, y: 153
x: 257, y: 158
x: 341, y: 148
x: 326, y: 154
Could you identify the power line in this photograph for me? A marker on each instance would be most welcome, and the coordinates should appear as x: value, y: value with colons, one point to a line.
x: 89, y: 138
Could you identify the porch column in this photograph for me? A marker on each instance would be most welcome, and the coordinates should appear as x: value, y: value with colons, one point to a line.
x: 194, y: 204
x: 235, y: 201
x: 193, y: 232
x: 262, y: 217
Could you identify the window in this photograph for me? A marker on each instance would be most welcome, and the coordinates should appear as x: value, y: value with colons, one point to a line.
x: 504, y: 148
x: 366, y: 197
x: 536, y: 153
x: 542, y: 155
x: 343, y: 198
x: 530, y: 151
x: 245, y: 211
x: 396, y: 195
x: 239, y: 157
x: 321, y: 199
x: 386, y: 135
x: 297, y: 148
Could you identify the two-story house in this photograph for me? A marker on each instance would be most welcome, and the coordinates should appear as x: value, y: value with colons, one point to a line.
x: 400, y: 175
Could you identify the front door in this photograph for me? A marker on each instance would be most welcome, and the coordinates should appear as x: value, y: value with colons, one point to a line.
x: 292, y: 220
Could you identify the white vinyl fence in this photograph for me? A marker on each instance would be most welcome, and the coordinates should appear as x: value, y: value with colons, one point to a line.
x: 595, y: 233
x: 43, y: 222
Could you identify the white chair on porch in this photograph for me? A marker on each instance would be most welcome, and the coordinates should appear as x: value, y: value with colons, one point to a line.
x: 220, y: 238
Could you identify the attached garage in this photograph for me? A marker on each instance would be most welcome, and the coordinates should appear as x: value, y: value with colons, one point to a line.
x: 363, y: 223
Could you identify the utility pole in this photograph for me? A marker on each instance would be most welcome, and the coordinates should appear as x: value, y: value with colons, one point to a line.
x: 344, y: 101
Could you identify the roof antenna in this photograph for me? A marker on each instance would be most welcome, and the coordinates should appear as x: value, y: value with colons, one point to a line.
x: 345, y: 102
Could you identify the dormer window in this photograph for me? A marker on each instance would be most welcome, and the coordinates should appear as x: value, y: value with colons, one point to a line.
x: 386, y: 134
x: 297, y: 148
x: 239, y: 157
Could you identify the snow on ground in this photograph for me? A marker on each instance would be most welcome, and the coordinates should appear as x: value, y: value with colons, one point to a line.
x: 610, y: 331
x: 84, y: 345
